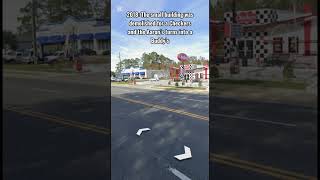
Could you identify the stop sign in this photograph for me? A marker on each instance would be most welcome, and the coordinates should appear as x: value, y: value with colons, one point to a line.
x: 182, y: 57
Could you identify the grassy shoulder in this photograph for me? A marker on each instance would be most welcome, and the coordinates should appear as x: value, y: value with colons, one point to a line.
x: 261, y: 83
x: 120, y: 83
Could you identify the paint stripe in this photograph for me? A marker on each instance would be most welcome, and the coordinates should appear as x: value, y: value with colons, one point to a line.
x: 271, y: 171
x: 179, y: 174
x: 63, y: 121
x: 274, y: 172
x: 200, y: 117
x: 197, y: 116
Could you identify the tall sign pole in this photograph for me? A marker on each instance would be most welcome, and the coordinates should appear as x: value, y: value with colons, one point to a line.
x: 183, y: 57
x: 34, y: 29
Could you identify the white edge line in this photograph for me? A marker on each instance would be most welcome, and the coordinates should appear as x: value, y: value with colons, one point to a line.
x: 179, y: 174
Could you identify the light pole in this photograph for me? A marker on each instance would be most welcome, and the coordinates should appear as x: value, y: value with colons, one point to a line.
x: 34, y: 29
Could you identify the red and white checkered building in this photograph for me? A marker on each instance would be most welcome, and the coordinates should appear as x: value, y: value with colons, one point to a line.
x: 265, y: 32
x: 192, y: 72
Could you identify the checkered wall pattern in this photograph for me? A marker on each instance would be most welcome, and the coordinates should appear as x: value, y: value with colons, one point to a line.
x: 263, y: 16
x: 262, y: 47
x: 186, y: 69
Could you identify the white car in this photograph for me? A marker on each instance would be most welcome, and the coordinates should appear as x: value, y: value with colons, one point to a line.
x: 11, y: 56
x: 25, y: 57
x: 53, y: 58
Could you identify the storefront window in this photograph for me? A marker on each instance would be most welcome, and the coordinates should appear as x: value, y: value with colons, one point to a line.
x: 293, y: 44
x: 87, y: 44
x: 277, y: 45
x: 102, y: 44
x: 241, y: 49
x: 201, y: 76
x: 249, y: 53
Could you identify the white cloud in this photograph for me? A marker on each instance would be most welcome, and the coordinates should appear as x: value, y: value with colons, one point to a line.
x: 119, y: 9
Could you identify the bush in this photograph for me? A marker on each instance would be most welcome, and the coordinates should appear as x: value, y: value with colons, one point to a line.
x: 169, y: 83
x: 288, y: 71
x: 176, y: 84
x: 200, y: 83
x: 183, y: 83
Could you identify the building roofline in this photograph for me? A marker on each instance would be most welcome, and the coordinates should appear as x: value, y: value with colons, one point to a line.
x: 75, y: 19
x: 291, y: 20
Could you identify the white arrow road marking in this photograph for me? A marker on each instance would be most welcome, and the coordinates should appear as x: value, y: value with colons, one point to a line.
x: 141, y: 130
x: 186, y: 155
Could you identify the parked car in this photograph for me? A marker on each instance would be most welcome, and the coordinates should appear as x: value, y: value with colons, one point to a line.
x: 87, y: 51
x: 54, y: 58
x: 106, y: 52
x: 116, y: 79
x: 9, y: 57
x: 26, y: 57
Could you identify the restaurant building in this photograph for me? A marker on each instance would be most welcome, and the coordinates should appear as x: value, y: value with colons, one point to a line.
x: 263, y: 33
x: 73, y: 34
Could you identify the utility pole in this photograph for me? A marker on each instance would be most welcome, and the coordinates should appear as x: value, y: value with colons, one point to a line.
x: 234, y: 20
x: 34, y: 29
x: 120, y: 64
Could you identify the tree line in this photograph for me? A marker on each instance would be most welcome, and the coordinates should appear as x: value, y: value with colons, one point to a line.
x: 56, y: 11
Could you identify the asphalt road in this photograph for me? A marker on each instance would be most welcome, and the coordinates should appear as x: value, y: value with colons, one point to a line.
x: 55, y: 130
x: 248, y: 140
x: 60, y: 130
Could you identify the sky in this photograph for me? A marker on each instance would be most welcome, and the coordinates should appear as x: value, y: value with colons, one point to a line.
x: 10, y: 12
x: 134, y: 46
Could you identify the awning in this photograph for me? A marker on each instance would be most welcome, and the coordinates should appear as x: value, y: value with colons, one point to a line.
x: 42, y: 39
x: 88, y: 36
x: 56, y: 39
x: 102, y: 36
x: 51, y: 39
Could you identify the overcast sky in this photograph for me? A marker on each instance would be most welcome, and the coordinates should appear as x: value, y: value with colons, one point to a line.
x: 10, y: 12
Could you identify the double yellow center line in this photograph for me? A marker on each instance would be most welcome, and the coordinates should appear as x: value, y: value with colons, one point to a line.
x: 60, y: 120
x: 182, y: 112
x: 226, y: 160
x: 262, y: 169
x: 217, y: 158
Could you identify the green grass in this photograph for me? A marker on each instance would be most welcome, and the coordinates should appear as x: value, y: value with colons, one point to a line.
x: 120, y: 83
x: 262, y: 83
